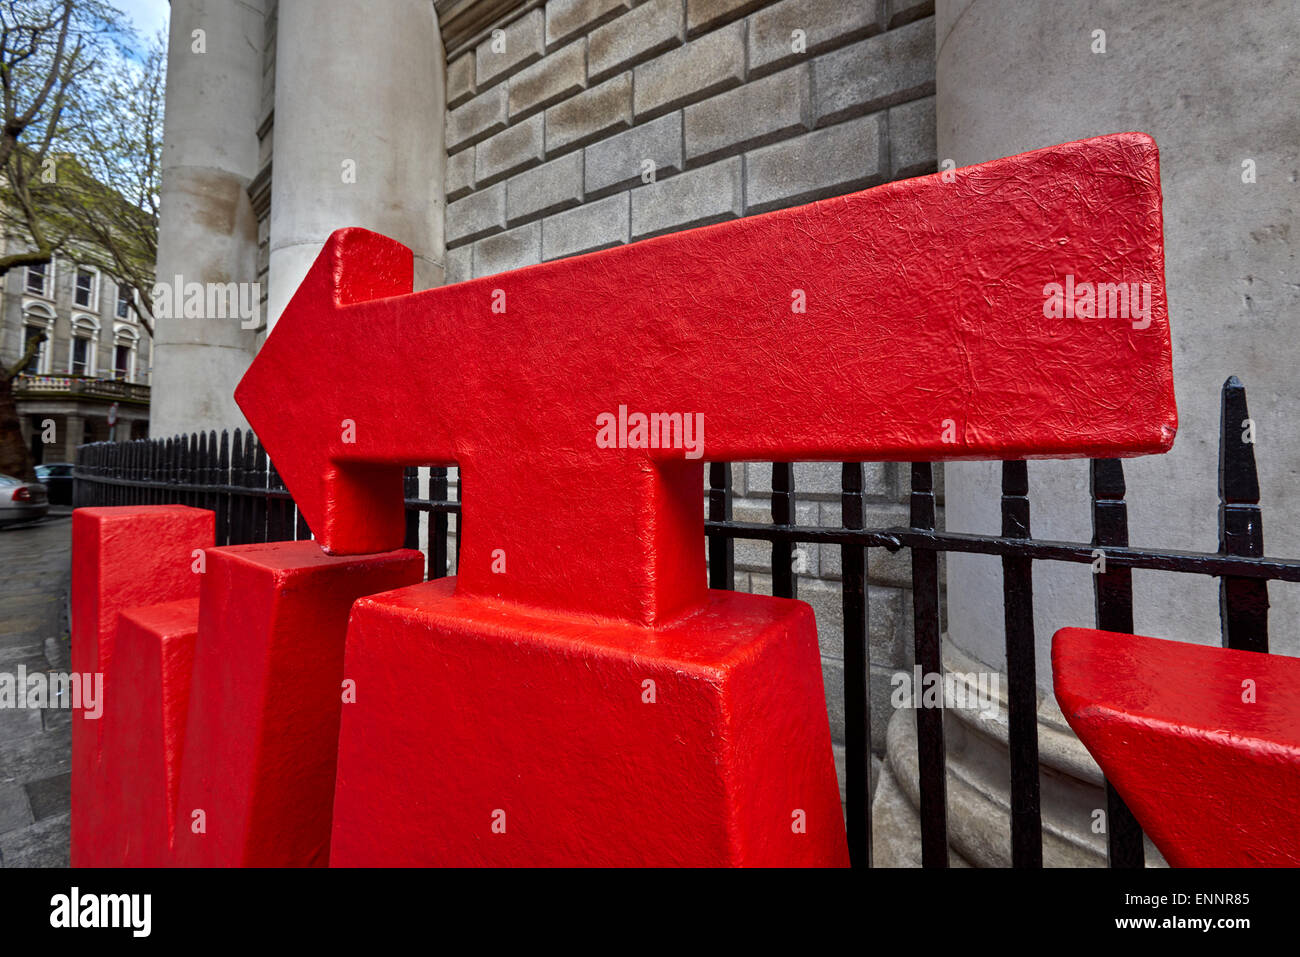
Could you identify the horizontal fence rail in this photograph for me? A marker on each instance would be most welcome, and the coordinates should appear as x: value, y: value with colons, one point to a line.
x: 231, y: 475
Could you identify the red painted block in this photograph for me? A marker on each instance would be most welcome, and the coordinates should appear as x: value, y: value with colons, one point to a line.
x: 471, y: 713
x: 122, y: 557
x: 261, y: 739
x: 144, y: 746
x: 1203, y: 743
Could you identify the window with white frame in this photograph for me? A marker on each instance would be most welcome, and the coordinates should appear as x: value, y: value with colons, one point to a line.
x: 38, y: 319
x: 33, y: 366
x: 84, y: 294
x: 81, y: 355
x: 125, y: 341
x: 38, y: 279
x: 123, y: 308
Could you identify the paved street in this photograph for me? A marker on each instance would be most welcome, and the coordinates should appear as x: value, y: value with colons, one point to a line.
x: 35, y: 745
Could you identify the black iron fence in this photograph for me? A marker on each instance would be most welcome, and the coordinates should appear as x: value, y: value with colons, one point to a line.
x: 232, y: 476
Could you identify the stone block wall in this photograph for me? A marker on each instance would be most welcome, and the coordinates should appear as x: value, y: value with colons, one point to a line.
x: 585, y: 124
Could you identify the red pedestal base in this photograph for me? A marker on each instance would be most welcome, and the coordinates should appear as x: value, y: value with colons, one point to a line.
x: 261, y: 739
x: 221, y: 689
x: 124, y: 557
x: 482, y: 735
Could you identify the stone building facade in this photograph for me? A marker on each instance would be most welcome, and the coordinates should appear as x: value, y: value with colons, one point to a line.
x: 95, y: 363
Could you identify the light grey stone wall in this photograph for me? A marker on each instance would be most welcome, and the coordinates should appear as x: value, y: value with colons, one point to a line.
x: 1015, y: 77
x: 552, y: 133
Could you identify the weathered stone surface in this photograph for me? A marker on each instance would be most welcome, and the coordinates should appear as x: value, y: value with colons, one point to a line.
x: 905, y: 11
x: 883, y: 566
x: 565, y: 18
x: 822, y: 479
x: 478, y: 214
x: 912, y: 150
x: 514, y: 148
x: 751, y: 115
x: 476, y: 119
x: 460, y: 174
x: 704, y: 66
x: 757, y: 555
x: 460, y: 80
x: 51, y: 795
x: 651, y: 28
x: 618, y: 162
x: 880, y: 71
x: 521, y: 44
x: 825, y: 24
x: 829, y: 162
x: 43, y: 844
x: 598, y: 111
x: 702, y: 196
x: 702, y: 15
x: 544, y: 189
x: 558, y: 75
x: 460, y: 264
x: 15, y: 811
x: 513, y: 249
x: 593, y: 226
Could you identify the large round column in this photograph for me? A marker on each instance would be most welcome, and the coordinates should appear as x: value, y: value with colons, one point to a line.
x: 359, y: 105
x: 207, y: 231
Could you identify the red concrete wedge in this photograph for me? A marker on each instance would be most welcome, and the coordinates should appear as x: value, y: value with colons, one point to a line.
x: 1203, y: 743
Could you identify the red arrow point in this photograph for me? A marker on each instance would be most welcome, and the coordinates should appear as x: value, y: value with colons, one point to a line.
x: 352, y: 507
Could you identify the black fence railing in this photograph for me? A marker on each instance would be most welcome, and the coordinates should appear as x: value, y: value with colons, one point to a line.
x: 233, y: 477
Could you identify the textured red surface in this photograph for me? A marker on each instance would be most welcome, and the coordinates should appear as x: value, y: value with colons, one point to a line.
x: 262, y: 734
x: 144, y: 745
x: 1213, y: 779
x: 467, y: 707
x: 227, y: 701
x: 122, y: 558
x: 925, y: 314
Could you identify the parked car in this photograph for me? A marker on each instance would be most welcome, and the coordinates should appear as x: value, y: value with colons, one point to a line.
x: 21, y: 501
x: 57, y: 479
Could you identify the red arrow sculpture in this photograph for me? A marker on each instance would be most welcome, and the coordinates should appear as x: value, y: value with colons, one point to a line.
x: 992, y: 312
x: 922, y: 335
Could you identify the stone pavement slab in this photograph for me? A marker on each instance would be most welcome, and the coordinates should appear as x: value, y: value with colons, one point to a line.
x: 35, y: 744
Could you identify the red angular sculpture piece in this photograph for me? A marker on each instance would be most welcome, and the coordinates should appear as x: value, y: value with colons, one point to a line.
x: 1202, y: 743
x: 910, y: 321
x: 262, y: 736
x: 144, y: 746
x: 122, y: 558
x: 226, y: 702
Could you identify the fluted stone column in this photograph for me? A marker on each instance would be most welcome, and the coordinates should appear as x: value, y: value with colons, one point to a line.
x: 1215, y: 84
x: 359, y: 106
x: 207, y: 230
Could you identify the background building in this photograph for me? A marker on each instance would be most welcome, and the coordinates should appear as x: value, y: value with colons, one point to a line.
x: 94, y: 363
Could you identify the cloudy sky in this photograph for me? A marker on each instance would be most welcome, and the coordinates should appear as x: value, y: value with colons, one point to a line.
x: 149, y: 16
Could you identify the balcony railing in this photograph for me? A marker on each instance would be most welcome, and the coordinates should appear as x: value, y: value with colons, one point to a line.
x: 80, y: 386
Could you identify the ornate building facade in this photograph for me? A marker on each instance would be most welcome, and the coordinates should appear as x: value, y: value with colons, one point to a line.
x: 89, y: 380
